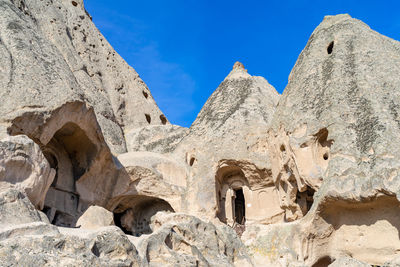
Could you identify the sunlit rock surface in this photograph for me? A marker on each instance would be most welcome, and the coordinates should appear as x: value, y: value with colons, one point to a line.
x: 93, y: 174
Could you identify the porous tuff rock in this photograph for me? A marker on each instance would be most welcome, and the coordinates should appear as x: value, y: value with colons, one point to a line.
x: 160, y: 139
x: 16, y: 208
x: 345, y: 86
x: 73, y: 62
x: 106, y: 247
x: 95, y: 217
x: 228, y: 138
x: 311, y: 176
x: 184, y: 240
x: 28, y: 239
x: 333, y: 133
x: 23, y: 164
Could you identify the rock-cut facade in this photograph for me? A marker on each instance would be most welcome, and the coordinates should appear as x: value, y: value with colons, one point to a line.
x: 92, y: 173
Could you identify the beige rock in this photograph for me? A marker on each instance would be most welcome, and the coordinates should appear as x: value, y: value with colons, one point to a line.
x: 23, y: 164
x: 186, y: 240
x: 95, y: 217
x: 73, y: 61
x: 226, y: 153
x: 307, y: 178
x: 334, y: 164
x: 16, y: 209
x: 103, y: 247
x: 149, y: 183
x: 155, y: 138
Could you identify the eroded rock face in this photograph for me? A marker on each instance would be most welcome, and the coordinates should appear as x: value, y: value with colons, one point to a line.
x: 16, y: 208
x: 95, y: 217
x: 180, y: 239
x: 159, y: 139
x: 228, y: 140
x: 28, y: 239
x: 332, y: 140
x: 23, y: 164
x: 73, y: 62
x: 306, y: 178
x: 102, y: 248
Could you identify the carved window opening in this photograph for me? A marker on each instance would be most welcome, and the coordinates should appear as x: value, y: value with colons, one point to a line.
x: 148, y: 118
x: 163, y: 119
x: 145, y: 94
x: 191, y: 161
x: 329, y: 49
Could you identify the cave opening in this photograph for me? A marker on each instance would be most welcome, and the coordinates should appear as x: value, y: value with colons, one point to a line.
x: 148, y: 118
x: 239, y: 206
x: 323, y: 262
x: 305, y: 199
x: 134, y: 214
x: 163, y: 119
x: 191, y: 161
x: 329, y: 49
x: 70, y: 152
x: 231, y: 187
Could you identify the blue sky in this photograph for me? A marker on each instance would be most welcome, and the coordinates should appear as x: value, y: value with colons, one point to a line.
x: 184, y: 49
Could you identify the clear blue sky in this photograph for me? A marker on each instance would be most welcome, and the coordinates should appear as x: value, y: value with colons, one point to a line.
x: 184, y: 49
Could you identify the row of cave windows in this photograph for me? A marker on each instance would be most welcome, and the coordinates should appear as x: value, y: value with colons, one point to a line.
x: 163, y: 119
x: 148, y: 117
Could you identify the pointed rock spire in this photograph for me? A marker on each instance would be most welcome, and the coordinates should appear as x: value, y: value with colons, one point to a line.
x: 238, y: 72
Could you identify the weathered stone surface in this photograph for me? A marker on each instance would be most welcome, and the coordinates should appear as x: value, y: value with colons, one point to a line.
x: 345, y: 87
x: 23, y: 164
x: 334, y: 159
x: 15, y: 208
x: 309, y: 178
x: 95, y: 217
x: 103, y: 248
x: 184, y: 240
x: 160, y: 139
x: 346, y: 261
x: 73, y: 61
x: 226, y: 150
x: 393, y: 263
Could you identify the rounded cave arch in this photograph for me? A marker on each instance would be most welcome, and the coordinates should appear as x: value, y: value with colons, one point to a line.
x: 71, y: 139
x: 133, y: 213
x: 70, y: 152
x: 231, y: 187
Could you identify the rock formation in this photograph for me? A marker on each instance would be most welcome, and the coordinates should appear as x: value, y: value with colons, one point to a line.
x: 93, y: 174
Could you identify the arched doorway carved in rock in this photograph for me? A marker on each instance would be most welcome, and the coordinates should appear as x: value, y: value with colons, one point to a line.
x: 231, y: 186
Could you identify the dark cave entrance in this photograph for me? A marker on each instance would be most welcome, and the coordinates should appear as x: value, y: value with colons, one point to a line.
x: 305, y: 199
x: 133, y: 214
x: 70, y: 152
x: 239, y: 206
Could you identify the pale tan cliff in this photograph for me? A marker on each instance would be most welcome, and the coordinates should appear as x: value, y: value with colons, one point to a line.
x: 93, y: 174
